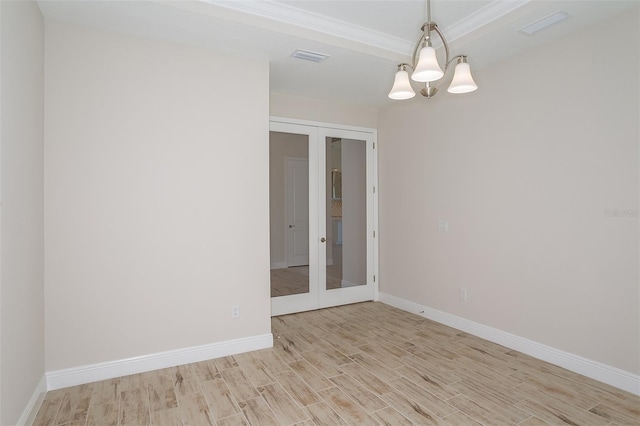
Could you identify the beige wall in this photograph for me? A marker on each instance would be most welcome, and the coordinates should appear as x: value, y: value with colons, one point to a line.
x: 281, y: 146
x: 302, y: 108
x: 524, y: 170
x: 156, y: 195
x: 21, y: 191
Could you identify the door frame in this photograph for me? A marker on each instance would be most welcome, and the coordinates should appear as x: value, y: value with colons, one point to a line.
x: 320, y: 130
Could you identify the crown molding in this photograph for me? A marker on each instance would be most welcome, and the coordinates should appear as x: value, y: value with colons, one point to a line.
x: 289, y: 15
x: 283, y: 13
x: 494, y: 10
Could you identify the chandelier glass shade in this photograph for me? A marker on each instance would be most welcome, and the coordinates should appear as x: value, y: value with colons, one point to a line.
x: 426, y: 68
x: 402, y: 86
x: 462, y: 80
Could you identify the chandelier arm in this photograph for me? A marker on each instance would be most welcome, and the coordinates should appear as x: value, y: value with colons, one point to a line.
x: 453, y: 59
x: 446, y: 45
x: 414, y: 60
x: 436, y: 85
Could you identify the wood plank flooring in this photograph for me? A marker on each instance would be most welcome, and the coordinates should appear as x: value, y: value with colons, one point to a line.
x: 362, y: 364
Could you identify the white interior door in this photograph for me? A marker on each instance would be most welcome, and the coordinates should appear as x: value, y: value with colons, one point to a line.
x: 347, y: 177
x: 338, y: 266
x: 294, y: 284
x: 296, y: 205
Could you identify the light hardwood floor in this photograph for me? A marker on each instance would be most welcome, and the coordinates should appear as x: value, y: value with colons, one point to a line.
x: 365, y: 364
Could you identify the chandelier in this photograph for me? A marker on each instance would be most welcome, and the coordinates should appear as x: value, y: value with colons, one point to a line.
x: 426, y: 69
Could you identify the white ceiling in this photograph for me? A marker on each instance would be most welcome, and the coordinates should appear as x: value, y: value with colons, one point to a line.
x: 365, y: 39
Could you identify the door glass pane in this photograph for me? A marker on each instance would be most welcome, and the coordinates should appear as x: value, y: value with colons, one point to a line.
x: 289, y: 213
x: 346, y: 213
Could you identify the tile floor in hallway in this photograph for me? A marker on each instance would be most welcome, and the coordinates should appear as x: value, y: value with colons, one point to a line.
x: 362, y: 364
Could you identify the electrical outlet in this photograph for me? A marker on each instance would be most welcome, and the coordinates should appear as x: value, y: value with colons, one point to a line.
x: 463, y: 294
x: 235, y: 311
x: 443, y: 225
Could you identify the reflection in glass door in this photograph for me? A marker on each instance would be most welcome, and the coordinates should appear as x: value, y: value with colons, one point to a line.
x: 289, y: 212
x: 293, y: 195
x: 346, y: 249
x: 321, y: 213
x: 347, y: 258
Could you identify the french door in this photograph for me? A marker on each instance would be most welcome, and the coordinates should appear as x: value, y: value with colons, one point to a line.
x: 322, y: 202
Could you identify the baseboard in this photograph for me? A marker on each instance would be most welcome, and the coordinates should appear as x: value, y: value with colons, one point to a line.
x: 278, y: 265
x: 31, y: 410
x: 108, y: 370
x: 593, y: 369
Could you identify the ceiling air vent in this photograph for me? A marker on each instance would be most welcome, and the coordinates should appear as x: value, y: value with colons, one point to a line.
x: 309, y: 56
x: 543, y: 23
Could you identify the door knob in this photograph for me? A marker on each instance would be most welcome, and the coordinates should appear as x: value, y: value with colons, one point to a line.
x: 322, y: 240
x: 291, y: 226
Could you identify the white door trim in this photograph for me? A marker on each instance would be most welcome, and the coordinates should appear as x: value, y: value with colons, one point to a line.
x: 320, y: 124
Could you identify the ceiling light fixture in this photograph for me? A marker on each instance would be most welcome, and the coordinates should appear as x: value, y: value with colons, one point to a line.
x: 426, y: 68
